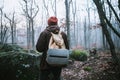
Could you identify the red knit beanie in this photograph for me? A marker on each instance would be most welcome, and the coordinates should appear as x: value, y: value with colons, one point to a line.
x: 52, y: 21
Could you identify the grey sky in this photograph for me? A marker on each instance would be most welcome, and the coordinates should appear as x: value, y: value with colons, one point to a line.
x: 14, y: 5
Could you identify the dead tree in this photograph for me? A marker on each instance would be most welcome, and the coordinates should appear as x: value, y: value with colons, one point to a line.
x: 30, y: 9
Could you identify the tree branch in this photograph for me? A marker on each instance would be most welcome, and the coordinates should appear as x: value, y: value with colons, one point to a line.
x: 113, y: 11
x: 110, y: 25
x: 8, y: 19
x: 46, y: 7
x: 119, y: 4
x: 36, y: 11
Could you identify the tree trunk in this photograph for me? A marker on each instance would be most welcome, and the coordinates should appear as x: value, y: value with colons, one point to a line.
x: 68, y: 20
x: 119, y: 4
x: 105, y: 31
x: 55, y: 9
x: 30, y: 10
x: 85, y: 34
x: 1, y: 26
x: 113, y: 11
x: 33, y: 42
x: 88, y: 31
x: 12, y: 26
x: 103, y: 39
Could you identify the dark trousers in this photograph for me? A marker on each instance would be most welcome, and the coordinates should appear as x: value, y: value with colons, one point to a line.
x: 53, y: 73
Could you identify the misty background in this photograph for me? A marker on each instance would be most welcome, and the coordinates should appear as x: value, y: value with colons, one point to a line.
x: 23, y: 21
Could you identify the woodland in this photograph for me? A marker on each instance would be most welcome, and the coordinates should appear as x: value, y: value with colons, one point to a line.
x: 92, y: 28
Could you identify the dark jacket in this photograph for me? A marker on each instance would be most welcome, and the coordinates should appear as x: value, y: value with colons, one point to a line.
x: 43, y: 42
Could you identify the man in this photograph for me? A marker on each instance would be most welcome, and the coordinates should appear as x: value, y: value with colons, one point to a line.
x: 42, y: 46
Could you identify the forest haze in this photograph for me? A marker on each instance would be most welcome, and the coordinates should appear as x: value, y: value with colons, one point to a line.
x: 92, y: 28
x: 88, y: 24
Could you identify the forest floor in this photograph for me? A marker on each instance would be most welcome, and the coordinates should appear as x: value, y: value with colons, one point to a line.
x: 98, y: 67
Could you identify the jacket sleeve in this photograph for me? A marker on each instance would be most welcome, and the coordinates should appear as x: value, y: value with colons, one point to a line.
x: 41, y: 43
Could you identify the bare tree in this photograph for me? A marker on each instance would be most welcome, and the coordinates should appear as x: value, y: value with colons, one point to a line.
x: 1, y: 25
x: 30, y: 9
x: 74, y: 8
x: 67, y: 7
x: 46, y: 7
x: 54, y: 7
x: 103, y: 19
x: 110, y: 5
x: 85, y: 33
x: 117, y: 17
x: 3, y: 29
x: 119, y: 4
x: 12, y: 23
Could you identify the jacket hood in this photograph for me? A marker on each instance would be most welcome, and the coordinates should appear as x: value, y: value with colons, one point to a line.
x: 54, y: 28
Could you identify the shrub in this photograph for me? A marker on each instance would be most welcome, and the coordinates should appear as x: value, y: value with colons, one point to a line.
x: 79, y: 55
x: 15, y: 65
x: 87, y: 68
x: 9, y: 47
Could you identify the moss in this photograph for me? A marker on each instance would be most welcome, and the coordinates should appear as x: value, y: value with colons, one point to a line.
x: 88, y: 68
x: 9, y: 47
x: 17, y: 64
